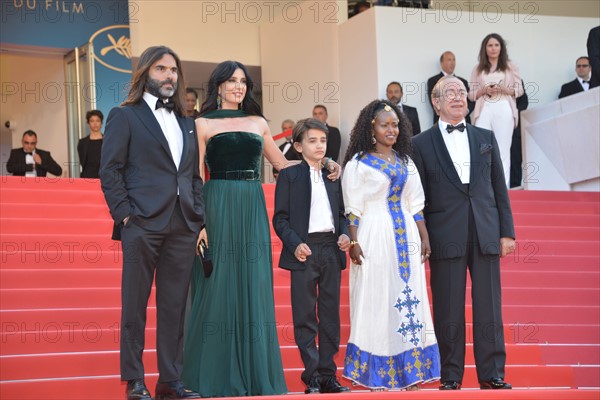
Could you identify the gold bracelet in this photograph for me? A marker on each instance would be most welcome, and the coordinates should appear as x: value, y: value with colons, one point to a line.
x: 353, y: 243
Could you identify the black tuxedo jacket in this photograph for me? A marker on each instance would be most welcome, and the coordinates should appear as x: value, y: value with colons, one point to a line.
x: 291, y: 153
x: 574, y: 87
x: 431, y: 83
x: 334, y: 142
x: 593, y: 48
x: 413, y: 117
x: 16, y: 163
x: 292, y: 211
x: 447, y: 200
x: 137, y: 173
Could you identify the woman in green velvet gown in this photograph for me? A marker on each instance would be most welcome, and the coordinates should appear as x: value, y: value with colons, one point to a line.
x: 231, y: 345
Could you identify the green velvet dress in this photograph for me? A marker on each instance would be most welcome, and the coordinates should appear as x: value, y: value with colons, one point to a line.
x: 231, y: 346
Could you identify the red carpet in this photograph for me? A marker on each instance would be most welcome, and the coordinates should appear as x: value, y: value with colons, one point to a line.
x: 60, y: 299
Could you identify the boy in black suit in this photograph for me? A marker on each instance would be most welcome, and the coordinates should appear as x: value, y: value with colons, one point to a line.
x: 309, y: 219
x: 149, y: 173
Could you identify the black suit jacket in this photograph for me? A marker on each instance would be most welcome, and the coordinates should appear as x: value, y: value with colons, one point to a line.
x: 16, y: 163
x: 137, y: 173
x: 292, y: 211
x: 431, y: 83
x: 290, y: 154
x: 413, y: 117
x: 447, y: 201
x: 574, y: 87
x: 334, y: 142
x: 593, y: 48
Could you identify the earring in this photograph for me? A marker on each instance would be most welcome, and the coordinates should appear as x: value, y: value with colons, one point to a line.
x: 373, y: 139
x: 218, y: 102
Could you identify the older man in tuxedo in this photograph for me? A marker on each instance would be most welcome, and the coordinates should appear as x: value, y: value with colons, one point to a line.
x: 31, y: 161
x: 469, y: 220
x: 150, y: 176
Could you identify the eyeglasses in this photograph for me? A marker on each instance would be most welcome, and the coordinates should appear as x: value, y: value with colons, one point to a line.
x: 582, y: 65
x: 29, y: 143
x: 453, y: 95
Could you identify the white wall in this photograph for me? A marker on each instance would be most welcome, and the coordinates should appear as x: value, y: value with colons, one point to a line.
x: 359, y: 70
x: 299, y: 62
x: 33, y: 95
x: 214, y: 31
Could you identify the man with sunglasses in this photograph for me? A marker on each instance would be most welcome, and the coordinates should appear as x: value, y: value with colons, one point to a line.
x: 31, y: 161
x: 583, y: 82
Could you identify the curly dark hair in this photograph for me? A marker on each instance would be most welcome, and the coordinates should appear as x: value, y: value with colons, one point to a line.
x: 360, y: 137
x: 93, y: 113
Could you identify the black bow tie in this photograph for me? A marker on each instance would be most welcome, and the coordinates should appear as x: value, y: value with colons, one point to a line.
x: 461, y: 127
x: 588, y: 82
x: 169, y: 106
x: 27, y: 152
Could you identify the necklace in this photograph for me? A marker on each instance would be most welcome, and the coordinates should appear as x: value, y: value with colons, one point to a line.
x: 389, y: 158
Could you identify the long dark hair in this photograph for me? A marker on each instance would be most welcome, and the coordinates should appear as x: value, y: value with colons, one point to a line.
x: 220, y: 74
x: 140, y: 77
x: 360, y: 137
x: 484, y: 62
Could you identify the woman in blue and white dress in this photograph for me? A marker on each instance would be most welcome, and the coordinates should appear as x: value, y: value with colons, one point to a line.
x: 392, y: 343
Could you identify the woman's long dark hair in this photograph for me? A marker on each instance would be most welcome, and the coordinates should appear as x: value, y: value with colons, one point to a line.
x: 221, y: 73
x: 360, y: 137
x: 141, y: 76
x: 484, y: 62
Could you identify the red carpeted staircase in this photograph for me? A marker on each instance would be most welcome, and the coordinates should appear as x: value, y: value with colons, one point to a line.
x: 60, y: 298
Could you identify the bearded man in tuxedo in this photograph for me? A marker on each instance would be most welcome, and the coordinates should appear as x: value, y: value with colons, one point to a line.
x: 150, y: 176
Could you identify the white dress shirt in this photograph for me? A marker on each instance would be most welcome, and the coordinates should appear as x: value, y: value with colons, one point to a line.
x: 586, y: 85
x: 29, y: 160
x: 287, y: 147
x: 321, y: 217
x: 457, y: 144
x: 170, y: 127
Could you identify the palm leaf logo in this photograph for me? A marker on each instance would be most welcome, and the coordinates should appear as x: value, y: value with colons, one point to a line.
x: 121, y: 46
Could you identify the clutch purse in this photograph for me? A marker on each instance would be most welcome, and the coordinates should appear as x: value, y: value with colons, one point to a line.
x: 205, y: 257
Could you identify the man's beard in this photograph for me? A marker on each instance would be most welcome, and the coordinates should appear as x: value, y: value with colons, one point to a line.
x: 155, y: 87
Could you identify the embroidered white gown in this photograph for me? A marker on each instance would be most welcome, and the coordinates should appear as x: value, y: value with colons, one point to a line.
x: 392, y: 341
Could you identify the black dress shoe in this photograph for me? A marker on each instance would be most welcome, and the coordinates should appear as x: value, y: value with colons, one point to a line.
x: 174, y: 390
x: 450, y: 385
x: 137, y: 390
x: 495, y: 383
x: 314, y: 385
x: 330, y: 385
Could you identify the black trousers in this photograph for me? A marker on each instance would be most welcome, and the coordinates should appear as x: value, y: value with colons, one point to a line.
x: 168, y: 255
x: 448, y: 285
x: 316, y: 306
x: 516, y: 158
